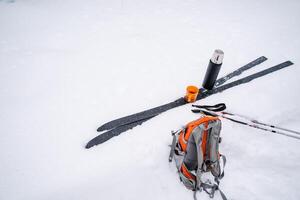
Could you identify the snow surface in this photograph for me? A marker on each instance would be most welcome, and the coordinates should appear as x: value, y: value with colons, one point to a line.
x: 68, y: 66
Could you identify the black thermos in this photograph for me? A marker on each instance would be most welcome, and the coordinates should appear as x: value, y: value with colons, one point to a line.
x: 213, y: 69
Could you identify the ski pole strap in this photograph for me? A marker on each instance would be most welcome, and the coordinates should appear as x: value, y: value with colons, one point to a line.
x: 204, y: 112
x: 211, y: 189
x: 172, y: 148
x: 215, y: 108
x: 222, y: 195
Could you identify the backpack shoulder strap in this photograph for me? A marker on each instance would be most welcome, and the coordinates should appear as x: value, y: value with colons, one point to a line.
x: 198, y: 140
x: 214, y: 124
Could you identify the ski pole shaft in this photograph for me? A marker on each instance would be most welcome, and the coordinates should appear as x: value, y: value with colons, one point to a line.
x: 261, y: 123
x: 261, y: 128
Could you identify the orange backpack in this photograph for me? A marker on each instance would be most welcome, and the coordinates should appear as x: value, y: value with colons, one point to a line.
x: 195, y: 149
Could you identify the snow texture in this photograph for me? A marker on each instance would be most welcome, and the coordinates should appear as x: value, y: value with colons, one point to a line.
x: 68, y: 66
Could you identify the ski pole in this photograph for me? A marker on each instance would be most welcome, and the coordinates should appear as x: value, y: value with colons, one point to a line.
x: 244, y: 123
x: 261, y: 123
x: 221, y: 106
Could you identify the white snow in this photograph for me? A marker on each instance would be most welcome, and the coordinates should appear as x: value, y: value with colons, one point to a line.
x: 67, y: 66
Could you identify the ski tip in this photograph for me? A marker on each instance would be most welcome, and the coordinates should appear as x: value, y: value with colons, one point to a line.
x: 89, y: 145
x: 264, y: 58
x: 101, y: 128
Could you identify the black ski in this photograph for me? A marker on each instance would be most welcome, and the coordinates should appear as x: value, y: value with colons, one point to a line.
x: 157, y: 110
x: 116, y: 131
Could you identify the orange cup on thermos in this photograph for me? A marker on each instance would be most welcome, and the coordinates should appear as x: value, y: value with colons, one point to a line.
x: 191, y: 93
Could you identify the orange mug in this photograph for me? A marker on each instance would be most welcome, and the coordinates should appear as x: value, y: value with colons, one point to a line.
x: 191, y: 93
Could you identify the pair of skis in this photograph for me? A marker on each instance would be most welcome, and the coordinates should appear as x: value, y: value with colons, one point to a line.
x: 116, y: 127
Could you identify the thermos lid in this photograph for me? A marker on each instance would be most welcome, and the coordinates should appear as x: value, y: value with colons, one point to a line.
x: 217, y: 57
